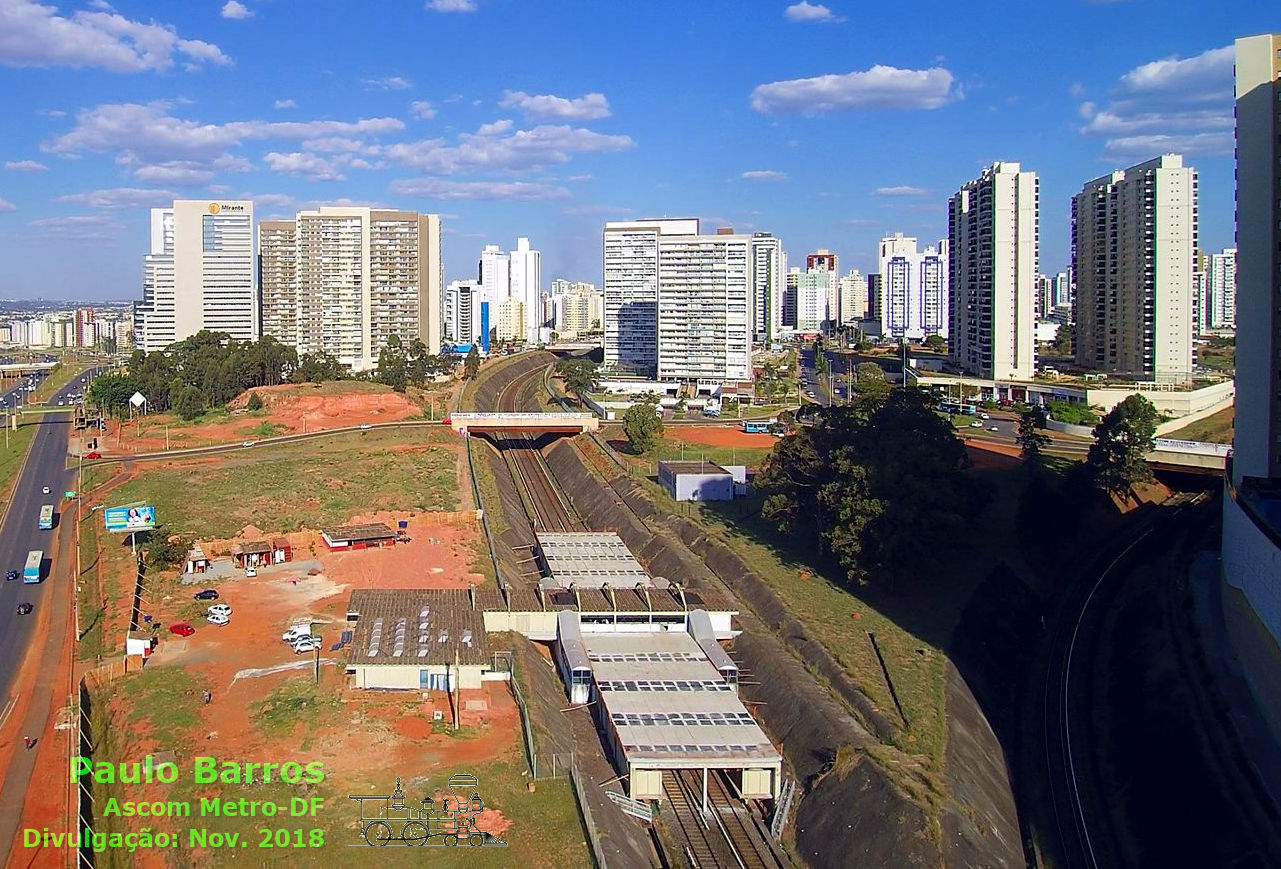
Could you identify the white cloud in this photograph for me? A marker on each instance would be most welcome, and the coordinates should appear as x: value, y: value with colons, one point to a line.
x: 285, y: 104
x: 25, y: 166
x: 451, y: 5
x: 548, y: 107
x: 1181, y: 105
x: 388, y: 83
x: 148, y: 133
x: 499, y: 146
x: 32, y: 34
x: 422, y: 109
x: 6, y: 205
x: 764, y: 175
x: 75, y: 220
x: 901, y: 190
x: 881, y: 87
x: 810, y: 13
x: 337, y: 144
x: 311, y: 166
x: 184, y: 172
x: 236, y: 10
x: 270, y: 200
x: 439, y: 188
x: 123, y: 197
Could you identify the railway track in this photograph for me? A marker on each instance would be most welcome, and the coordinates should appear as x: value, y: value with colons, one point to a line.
x: 726, y: 837
x: 545, y: 504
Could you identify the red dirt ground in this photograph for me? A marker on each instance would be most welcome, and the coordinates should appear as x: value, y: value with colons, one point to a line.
x: 719, y: 436
x: 294, y: 408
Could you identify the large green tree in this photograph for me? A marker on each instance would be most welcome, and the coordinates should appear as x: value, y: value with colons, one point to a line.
x: 471, y: 365
x: 110, y: 394
x: 879, y: 483
x: 642, y: 424
x: 1032, y: 440
x: 579, y: 376
x: 393, y: 365
x: 1122, y: 439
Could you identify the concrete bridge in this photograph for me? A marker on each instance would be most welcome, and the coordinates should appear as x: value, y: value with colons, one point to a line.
x: 570, y: 423
x: 1190, y: 456
x: 17, y: 369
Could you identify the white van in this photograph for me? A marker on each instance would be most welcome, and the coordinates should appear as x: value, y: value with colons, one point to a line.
x: 297, y: 632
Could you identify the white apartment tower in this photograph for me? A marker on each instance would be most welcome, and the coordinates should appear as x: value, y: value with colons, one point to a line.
x: 1134, y: 235
x: 807, y: 297
x: 199, y: 273
x: 854, y: 297
x: 352, y: 278
x: 1257, y: 444
x: 630, y: 265
x: 992, y: 266
x: 913, y: 288
x: 526, y: 274
x: 1221, y: 290
x: 462, y: 320
x: 769, y: 270
x: 494, y: 274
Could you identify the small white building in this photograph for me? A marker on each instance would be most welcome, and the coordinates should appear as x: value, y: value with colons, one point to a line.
x: 702, y: 481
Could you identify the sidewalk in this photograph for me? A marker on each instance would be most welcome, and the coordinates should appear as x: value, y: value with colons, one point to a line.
x: 1243, y: 711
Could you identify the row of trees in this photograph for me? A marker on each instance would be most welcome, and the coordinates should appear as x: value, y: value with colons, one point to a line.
x: 403, y: 365
x: 1117, y: 460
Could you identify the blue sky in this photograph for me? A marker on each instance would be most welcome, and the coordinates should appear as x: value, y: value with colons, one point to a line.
x: 828, y: 125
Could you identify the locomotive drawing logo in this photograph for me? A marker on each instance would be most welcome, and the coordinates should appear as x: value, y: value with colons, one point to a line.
x: 385, y: 819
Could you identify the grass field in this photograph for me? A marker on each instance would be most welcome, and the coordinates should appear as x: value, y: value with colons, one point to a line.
x: 1215, y: 429
x: 12, y: 455
x: 92, y: 613
x: 311, y: 484
x: 671, y: 448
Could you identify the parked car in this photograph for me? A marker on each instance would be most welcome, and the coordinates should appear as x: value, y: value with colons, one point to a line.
x: 306, y: 644
x: 182, y: 629
x: 215, y: 619
x: 11, y: 575
x: 976, y: 424
x: 296, y: 633
x: 984, y: 416
x: 24, y: 609
x: 366, y: 427
x: 207, y: 594
x: 93, y: 455
x: 251, y: 571
x: 220, y: 609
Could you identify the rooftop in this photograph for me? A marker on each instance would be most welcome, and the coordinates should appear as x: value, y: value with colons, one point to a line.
x: 404, y: 627
x: 375, y: 531
x: 589, y: 560
x: 692, y: 467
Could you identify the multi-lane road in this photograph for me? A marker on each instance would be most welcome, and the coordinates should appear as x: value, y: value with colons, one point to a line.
x: 46, y: 466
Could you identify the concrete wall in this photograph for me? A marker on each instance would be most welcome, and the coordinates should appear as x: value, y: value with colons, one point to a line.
x: 1252, y: 563
x: 703, y: 487
x: 405, y: 677
x: 1085, y: 431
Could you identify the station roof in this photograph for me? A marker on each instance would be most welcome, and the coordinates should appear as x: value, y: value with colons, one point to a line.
x: 668, y: 704
x: 250, y: 547
x: 589, y: 560
x: 692, y: 467
x: 600, y: 601
x: 436, y: 626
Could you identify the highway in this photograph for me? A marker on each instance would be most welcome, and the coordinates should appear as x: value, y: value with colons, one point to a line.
x: 45, y: 466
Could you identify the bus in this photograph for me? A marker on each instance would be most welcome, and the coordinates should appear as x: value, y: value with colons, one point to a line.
x: 46, y: 517
x: 959, y: 407
x: 756, y: 426
x: 31, y: 572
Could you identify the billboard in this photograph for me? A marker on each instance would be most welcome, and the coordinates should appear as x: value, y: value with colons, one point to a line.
x: 141, y: 518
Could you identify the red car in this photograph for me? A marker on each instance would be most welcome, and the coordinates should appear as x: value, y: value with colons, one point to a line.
x: 93, y: 455
x: 182, y: 629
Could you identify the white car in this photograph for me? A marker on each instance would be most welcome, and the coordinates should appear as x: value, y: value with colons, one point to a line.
x: 296, y: 633
x: 45, y: 490
x: 976, y: 424
x: 366, y: 427
x: 220, y: 609
x: 251, y: 571
x: 993, y: 428
x: 984, y: 416
x: 215, y: 619
x: 306, y: 644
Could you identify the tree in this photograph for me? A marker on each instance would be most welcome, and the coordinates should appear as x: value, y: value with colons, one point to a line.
x: 1064, y: 340
x: 189, y: 403
x: 642, y: 424
x: 110, y: 393
x: 1032, y: 441
x: 879, y: 483
x: 579, y: 376
x: 1118, y: 457
x: 937, y: 343
x: 255, y: 402
x: 393, y: 366
x: 869, y: 379
x: 471, y: 365
x: 164, y: 551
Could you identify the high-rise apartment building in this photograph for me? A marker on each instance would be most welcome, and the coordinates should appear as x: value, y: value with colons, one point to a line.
x: 1060, y: 291
x: 807, y: 295
x: 526, y: 275
x: 704, y: 316
x: 913, y: 288
x: 352, y: 278
x: 992, y: 266
x: 1134, y: 235
x: 509, y: 319
x: 464, y: 324
x: 199, y: 273
x: 1257, y: 450
x: 577, y: 308
x: 853, y: 296
x: 769, y: 268
x: 1221, y: 290
x: 494, y: 271
x: 823, y: 260
x: 630, y: 265
x: 278, y: 280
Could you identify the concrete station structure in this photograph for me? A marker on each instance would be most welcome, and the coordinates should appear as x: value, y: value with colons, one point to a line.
x: 644, y: 651
x: 702, y: 481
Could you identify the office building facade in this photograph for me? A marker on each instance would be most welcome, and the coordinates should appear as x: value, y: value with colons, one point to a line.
x: 199, y: 273
x: 993, y: 258
x: 1134, y: 236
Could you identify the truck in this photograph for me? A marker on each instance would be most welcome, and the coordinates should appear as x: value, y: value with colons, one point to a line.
x: 31, y: 571
x: 46, y: 517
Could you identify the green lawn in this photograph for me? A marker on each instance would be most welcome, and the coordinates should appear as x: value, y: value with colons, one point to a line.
x: 671, y: 448
x: 1215, y: 429
x: 12, y: 455
x: 310, y: 484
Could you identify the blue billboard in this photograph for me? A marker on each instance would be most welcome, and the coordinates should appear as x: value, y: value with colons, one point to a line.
x: 142, y: 518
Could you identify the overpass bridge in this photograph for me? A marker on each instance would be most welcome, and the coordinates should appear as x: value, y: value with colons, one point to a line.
x: 534, y: 423
x: 1195, y: 457
x: 17, y: 369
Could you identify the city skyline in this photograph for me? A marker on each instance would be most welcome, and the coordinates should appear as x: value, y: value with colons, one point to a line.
x: 113, y: 113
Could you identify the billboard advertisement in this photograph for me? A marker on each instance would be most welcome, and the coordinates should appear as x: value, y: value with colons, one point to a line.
x: 141, y: 518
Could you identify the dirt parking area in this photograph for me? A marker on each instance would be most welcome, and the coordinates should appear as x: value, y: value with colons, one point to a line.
x: 719, y: 436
